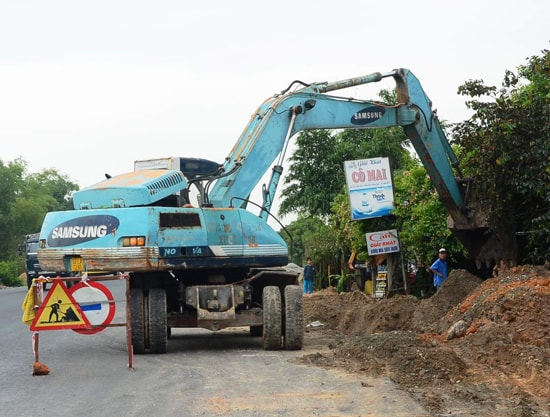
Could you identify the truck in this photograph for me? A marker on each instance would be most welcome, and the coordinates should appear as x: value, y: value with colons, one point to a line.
x: 30, y: 249
x: 216, y: 262
x: 33, y: 269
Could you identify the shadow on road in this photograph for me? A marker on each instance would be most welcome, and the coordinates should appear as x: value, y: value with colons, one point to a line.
x: 193, y: 340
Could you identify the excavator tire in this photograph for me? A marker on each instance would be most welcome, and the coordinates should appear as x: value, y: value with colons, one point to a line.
x: 158, y: 333
x: 272, y: 318
x: 294, y: 318
x: 137, y: 321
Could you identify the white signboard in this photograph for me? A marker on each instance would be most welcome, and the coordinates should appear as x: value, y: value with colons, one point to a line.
x: 370, y: 187
x: 385, y: 241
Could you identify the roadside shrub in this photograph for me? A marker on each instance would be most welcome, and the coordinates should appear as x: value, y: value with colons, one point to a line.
x: 9, y: 273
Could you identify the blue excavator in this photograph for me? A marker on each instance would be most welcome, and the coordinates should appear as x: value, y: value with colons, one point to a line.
x: 215, y: 263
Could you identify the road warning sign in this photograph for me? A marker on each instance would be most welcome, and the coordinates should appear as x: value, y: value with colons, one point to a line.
x: 59, y: 311
x: 97, y: 304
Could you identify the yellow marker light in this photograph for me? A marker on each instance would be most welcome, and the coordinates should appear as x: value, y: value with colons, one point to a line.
x: 133, y: 241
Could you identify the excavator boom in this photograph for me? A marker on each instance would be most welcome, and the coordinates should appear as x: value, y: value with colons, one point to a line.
x: 265, y: 136
x: 280, y: 117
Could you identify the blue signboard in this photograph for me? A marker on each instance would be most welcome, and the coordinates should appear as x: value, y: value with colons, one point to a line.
x: 370, y: 187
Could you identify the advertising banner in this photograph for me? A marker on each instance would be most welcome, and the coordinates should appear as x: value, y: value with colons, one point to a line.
x: 385, y: 241
x: 370, y: 187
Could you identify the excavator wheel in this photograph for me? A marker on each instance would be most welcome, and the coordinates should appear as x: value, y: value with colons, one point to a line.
x: 294, y: 318
x: 138, y: 323
x: 272, y: 318
x: 158, y: 334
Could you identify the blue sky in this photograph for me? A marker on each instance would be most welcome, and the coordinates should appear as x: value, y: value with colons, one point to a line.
x: 87, y: 87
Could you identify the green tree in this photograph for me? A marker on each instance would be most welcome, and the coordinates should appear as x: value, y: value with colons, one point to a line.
x: 11, y: 184
x: 317, y: 190
x: 421, y: 217
x: 26, y: 198
x: 297, y: 235
x: 316, y: 174
x: 55, y: 188
x: 505, y: 147
x: 315, y: 186
x: 311, y: 237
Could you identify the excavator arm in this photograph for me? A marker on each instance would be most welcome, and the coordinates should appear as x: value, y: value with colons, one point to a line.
x: 280, y: 117
x: 267, y: 135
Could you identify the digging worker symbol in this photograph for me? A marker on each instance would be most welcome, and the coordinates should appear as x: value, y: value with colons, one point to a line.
x: 55, y: 311
x: 68, y: 315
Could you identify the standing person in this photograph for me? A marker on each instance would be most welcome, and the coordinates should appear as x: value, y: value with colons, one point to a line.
x: 439, y: 269
x: 309, y: 276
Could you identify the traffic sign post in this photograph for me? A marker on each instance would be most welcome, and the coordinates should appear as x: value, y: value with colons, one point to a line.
x: 86, y: 308
x: 59, y: 311
x: 97, y: 304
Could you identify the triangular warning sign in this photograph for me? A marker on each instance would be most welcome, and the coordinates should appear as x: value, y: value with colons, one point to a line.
x: 59, y: 311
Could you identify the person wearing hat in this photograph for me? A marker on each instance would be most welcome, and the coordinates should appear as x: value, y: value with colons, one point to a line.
x: 439, y: 269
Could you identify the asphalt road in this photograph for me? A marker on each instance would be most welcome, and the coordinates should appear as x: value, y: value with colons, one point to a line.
x: 204, y: 374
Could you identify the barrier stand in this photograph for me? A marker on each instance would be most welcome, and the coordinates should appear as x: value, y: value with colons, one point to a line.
x: 86, y: 328
x: 129, y: 325
x: 37, y: 300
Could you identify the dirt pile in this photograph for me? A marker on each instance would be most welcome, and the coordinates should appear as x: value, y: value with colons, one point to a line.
x: 356, y: 312
x: 427, y: 317
x: 474, y: 348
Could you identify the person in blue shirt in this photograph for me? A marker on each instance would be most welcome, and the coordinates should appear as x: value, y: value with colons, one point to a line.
x: 309, y: 276
x: 439, y: 268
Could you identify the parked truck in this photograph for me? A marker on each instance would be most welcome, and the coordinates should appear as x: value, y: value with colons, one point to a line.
x: 214, y: 263
x: 32, y: 266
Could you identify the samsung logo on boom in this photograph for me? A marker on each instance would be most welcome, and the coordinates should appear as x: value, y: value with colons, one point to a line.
x: 79, y: 231
x: 367, y: 115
